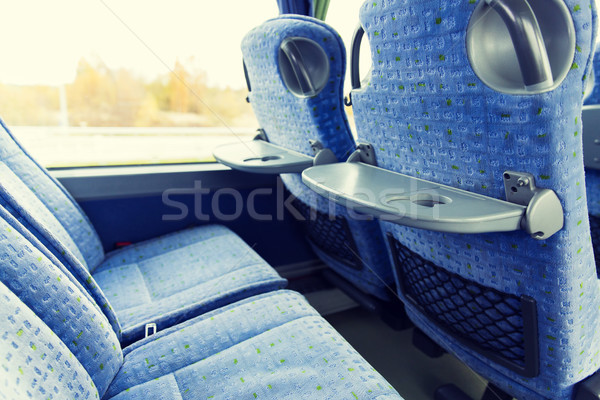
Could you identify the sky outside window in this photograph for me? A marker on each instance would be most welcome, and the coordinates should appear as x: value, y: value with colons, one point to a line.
x: 112, y: 64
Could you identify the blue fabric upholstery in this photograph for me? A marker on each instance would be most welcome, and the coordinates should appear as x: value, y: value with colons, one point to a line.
x: 428, y: 115
x: 302, y: 7
x: 214, y: 266
x: 34, y: 363
x: 592, y: 177
x: 291, y: 122
x: 270, y: 346
x: 54, y: 343
x: 592, y: 183
x: 51, y: 193
x: 181, y: 275
x: 43, y: 288
x: 594, y: 97
x: 91, y: 291
x: 23, y: 205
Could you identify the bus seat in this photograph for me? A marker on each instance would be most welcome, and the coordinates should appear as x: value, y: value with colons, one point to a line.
x: 163, y: 280
x: 56, y: 343
x: 296, y: 107
x: 592, y: 176
x: 445, y: 105
x: 593, y: 96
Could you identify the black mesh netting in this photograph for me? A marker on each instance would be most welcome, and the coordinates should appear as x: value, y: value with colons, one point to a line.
x: 330, y: 234
x: 491, y: 319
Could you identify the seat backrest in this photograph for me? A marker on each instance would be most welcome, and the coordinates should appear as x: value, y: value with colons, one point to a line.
x: 594, y: 96
x: 50, y: 326
x: 592, y: 177
x: 23, y: 205
x: 84, y: 243
x: 521, y: 312
x: 35, y: 362
x: 296, y: 67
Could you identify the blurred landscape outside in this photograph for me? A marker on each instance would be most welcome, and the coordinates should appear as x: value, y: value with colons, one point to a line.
x: 108, y: 89
x: 112, y: 117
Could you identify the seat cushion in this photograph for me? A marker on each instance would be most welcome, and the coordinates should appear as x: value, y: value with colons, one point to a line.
x: 181, y: 275
x: 270, y: 346
x: 56, y: 343
x: 212, y: 267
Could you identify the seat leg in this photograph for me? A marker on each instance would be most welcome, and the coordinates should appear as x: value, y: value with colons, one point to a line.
x: 589, y: 388
x: 450, y: 392
x: 392, y: 313
x: 493, y: 392
x: 424, y: 343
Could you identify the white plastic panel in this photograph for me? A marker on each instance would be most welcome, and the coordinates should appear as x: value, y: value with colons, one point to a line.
x: 410, y: 201
x: 262, y: 157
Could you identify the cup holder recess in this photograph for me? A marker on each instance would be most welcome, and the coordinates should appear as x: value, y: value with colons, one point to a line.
x: 429, y: 200
x: 263, y: 159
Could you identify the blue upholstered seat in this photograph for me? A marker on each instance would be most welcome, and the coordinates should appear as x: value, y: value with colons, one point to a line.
x: 592, y: 177
x: 55, y: 342
x: 349, y: 244
x: 428, y: 115
x: 594, y: 96
x: 165, y: 280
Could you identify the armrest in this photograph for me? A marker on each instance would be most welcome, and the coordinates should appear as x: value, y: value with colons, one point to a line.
x: 590, y: 119
x: 421, y: 204
x: 261, y: 157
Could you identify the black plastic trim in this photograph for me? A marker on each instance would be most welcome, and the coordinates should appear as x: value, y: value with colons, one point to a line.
x: 355, y: 57
x: 247, y: 77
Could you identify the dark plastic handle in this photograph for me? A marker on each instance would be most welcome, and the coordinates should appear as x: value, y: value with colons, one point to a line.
x: 355, y: 57
x: 247, y: 77
x: 294, y: 56
x: 527, y: 40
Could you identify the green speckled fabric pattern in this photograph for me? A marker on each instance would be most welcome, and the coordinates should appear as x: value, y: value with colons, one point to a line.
x: 63, y: 308
x: 271, y: 346
x: 34, y: 363
x: 181, y: 275
x: 53, y: 195
x: 291, y: 122
x: 428, y: 115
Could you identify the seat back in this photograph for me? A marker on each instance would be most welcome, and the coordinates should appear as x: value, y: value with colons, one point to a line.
x: 296, y: 66
x: 521, y: 312
x: 23, y: 205
x: 592, y: 177
x: 84, y: 243
x: 50, y: 327
x: 36, y: 363
x: 593, y: 96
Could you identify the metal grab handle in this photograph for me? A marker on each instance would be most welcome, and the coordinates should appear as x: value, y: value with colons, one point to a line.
x: 355, y: 57
x: 303, y: 77
x: 527, y: 40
